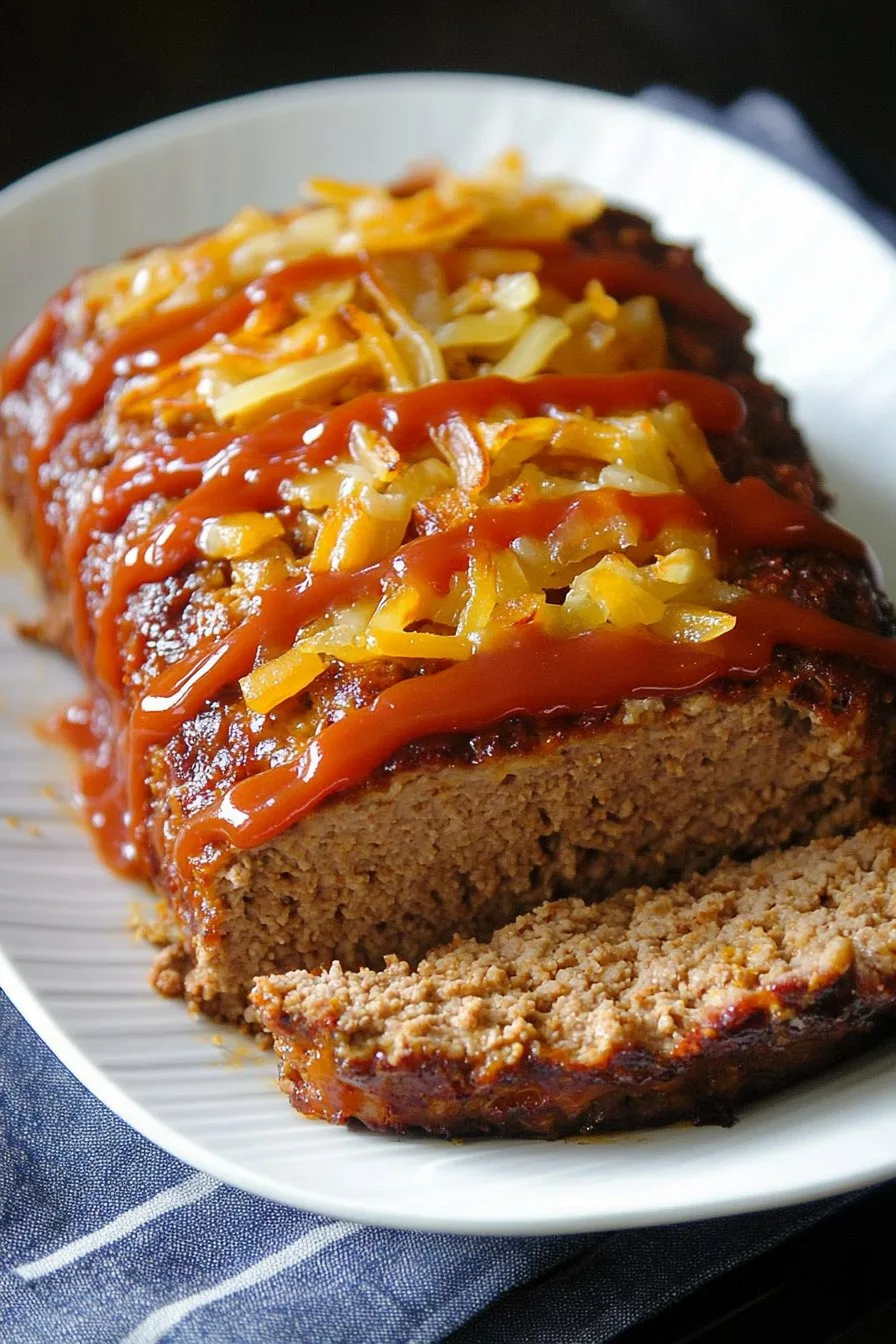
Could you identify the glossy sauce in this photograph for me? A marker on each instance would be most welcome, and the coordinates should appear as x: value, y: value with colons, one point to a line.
x: 149, y: 342
x: 626, y: 276
x: 167, y: 336
x: 426, y: 562
x: 92, y: 729
x: 247, y: 472
x: 161, y: 466
x: 568, y: 266
x: 530, y: 674
x: 735, y: 513
x: 750, y: 516
x: 527, y: 673
x: 33, y: 344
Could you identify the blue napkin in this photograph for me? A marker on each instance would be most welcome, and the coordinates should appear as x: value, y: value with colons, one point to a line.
x: 771, y: 124
x: 108, y: 1240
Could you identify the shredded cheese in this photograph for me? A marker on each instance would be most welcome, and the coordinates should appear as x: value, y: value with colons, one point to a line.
x: 447, y: 282
x: 295, y: 381
x: 534, y: 347
x: 237, y: 535
x: 272, y: 683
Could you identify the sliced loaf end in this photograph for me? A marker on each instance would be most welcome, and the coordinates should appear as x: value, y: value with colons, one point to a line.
x: 650, y: 1007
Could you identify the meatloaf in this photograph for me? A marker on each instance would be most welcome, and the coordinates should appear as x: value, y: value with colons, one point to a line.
x: 430, y: 553
x: 652, y: 1005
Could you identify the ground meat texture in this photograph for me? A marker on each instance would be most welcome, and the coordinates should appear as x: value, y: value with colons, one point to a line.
x: 461, y: 833
x: 460, y: 847
x: 456, y: 835
x: 653, y: 1006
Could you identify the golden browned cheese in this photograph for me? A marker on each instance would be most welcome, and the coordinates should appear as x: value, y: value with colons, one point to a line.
x: 427, y: 554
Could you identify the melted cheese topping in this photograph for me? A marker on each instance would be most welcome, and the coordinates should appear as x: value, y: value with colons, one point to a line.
x: 426, y: 424
x: 438, y: 279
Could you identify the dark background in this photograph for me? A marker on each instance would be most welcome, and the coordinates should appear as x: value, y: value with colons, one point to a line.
x: 72, y: 73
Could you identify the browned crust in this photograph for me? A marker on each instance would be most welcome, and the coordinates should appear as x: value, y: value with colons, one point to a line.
x: 657, y: 1005
x: 177, y: 612
x: 769, y: 446
x: 782, y: 1036
x: 221, y: 745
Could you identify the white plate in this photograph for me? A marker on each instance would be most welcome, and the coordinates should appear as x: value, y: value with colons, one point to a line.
x: 824, y: 289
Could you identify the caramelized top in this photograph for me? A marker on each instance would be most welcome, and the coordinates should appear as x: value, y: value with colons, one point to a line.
x: 426, y: 427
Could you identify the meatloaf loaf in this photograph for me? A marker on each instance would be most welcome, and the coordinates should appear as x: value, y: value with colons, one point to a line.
x: 653, y: 1005
x: 430, y: 553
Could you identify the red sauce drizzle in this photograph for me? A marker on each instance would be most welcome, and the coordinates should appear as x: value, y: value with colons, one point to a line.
x: 625, y: 276
x: 750, y: 516
x: 531, y: 674
x: 162, y: 466
x: 181, y: 691
x: 149, y: 342
x: 164, y: 337
x: 249, y: 472
x: 92, y: 729
x: 35, y: 343
x: 428, y: 562
x: 528, y: 673
x: 568, y: 266
x: 525, y: 676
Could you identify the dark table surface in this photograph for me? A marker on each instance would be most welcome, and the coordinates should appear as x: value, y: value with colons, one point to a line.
x: 73, y: 73
x: 830, y: 1285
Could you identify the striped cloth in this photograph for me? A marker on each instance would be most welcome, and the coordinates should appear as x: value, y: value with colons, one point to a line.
x: 108, y: 1240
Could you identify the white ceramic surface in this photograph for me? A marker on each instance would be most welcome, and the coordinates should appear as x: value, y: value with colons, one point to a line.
x: 823, y: 287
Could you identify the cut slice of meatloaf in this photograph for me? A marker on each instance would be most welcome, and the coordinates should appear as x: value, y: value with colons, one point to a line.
x: 452, y: 832
x: 650, y: 1007
x: 453, y: 846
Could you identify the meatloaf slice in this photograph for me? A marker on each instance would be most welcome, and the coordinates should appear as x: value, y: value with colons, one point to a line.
x: 186, y: 491
x: 651, y: 1007
x: 464, y: 846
